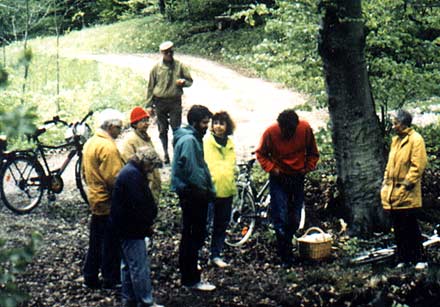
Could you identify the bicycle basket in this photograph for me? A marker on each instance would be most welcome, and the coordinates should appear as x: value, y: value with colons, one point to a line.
x: 316, y: 246
x: 83, y: 131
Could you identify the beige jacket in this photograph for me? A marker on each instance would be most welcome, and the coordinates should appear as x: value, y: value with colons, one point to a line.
x: 128, y: 147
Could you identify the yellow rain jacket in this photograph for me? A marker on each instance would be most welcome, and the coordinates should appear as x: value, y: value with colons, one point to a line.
x: 221, y: 164
x: 402, y: 188
x: 101, y: 164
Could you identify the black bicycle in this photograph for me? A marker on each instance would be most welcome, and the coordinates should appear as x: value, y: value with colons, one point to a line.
x: 249, y: 206
x: 23, y: 178
x: 387, y: 253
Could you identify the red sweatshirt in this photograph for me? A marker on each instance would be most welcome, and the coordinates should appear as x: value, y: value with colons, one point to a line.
x: 297, y: 154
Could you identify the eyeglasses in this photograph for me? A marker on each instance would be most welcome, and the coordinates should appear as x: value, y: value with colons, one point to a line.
x: 145, y: 120
x: 168, y: 51
x: 117, y: 127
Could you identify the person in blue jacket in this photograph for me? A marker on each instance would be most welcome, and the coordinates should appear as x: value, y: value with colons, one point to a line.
x: 132, y: 214
x: 191, y: 180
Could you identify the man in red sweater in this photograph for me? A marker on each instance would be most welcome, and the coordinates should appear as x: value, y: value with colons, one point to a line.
x: 287, y: 151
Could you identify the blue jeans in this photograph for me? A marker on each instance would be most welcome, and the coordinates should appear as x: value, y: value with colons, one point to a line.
x: 287, y: 200
x: 220, y: 212
x: 103, y: 253
x: 135, y: 272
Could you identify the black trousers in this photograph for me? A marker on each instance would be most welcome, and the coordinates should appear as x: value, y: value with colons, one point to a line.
x: 408, y: 236
x: 194, y: 219
x: 103, y: 254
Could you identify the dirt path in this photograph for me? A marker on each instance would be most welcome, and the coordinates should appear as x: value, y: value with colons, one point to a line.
x: 253, y: 103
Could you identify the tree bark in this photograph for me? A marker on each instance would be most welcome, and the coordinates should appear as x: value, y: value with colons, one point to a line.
x: 356, y: 133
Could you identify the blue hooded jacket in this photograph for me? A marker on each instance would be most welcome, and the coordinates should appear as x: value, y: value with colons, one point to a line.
x: 189, y: 170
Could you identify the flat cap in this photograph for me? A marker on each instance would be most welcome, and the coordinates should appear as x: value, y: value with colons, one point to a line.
x: 166, y: 45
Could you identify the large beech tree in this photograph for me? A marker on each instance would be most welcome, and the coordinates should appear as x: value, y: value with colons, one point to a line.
x: 356, y: 132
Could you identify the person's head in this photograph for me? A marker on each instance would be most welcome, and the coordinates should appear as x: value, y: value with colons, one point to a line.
x: 288, y: 121
x: 167, y: 51
x: 146, y: 158
x: 139, y: 119
x: 110, y: 120
x: 222, y: 124
x: 198, y: 116
x: 401, y: 120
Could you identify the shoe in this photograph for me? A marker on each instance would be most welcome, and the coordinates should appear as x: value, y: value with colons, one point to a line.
x: 149, y: 305
x: 218, y: 262
x: 421, y: 266
x: 166, y: 159
x: 202, y: 286
x: 400, y: 265
x: 93, y: 284
x: 111, y: 285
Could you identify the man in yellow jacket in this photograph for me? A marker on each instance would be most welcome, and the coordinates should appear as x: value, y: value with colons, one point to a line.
x: 101, y: 164
x: 402, y: 189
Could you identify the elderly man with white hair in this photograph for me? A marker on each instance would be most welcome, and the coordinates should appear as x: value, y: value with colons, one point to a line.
x: 101, y: 164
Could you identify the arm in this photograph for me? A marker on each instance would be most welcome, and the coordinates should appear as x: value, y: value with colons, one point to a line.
x: 150, y: 88
x: 418, y: 161
x: 312, y: 153
x: 186, y: 75
x: 110, y: 166
x: 263, y: 153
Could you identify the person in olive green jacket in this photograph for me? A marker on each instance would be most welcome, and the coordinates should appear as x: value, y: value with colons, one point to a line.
x: 220, y: 157
x: 101, y: 164
x: 164, y: 94
x: 402, y: 189
x: 139, y: 138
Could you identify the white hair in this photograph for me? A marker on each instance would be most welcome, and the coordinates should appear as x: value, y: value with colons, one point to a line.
x: 109, y: 117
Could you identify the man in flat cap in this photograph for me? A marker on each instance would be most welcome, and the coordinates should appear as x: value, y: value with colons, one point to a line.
x: 164, y: 95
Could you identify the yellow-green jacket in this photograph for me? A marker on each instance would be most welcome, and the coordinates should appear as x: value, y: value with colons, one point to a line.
x: 128, y: 147
x: 162, y: 81
x: 221, y: 164
x: 402, y: 188
x: 101, y: 164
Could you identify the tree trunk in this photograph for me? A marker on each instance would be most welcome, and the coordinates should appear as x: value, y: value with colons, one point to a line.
x: 357, y: 137
x: 162, y: 7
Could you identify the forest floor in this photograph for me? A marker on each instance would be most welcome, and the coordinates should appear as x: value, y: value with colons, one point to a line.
x: 255, y: 278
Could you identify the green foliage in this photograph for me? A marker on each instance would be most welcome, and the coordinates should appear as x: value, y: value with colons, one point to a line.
x: 14, y: 261
x: 17, y: 121
x: 253, y: 15
x: 431, y: 135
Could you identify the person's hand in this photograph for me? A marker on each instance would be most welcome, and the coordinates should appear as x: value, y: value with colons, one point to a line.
x: 180, y: 82
x: 275, y: 171
x: 151, y: 111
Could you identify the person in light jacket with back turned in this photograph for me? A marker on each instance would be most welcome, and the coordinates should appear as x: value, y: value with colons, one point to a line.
x: 402, y: 189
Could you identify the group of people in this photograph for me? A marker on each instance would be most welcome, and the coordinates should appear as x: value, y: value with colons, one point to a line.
x: 124, y: 184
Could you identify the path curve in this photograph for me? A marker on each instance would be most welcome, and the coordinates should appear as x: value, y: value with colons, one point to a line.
x: 252, y: 102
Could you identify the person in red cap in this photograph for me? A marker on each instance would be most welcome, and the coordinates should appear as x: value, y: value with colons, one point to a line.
x: 139, y: 138
x: 164, y: 94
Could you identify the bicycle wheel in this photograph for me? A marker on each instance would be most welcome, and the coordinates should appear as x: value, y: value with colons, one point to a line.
x: 243, y: 216
x: 80, y: 180
x: 378, y: 255
x: 22, y: 184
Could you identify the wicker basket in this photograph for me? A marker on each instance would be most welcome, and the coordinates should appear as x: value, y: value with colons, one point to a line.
x: 315, y: 247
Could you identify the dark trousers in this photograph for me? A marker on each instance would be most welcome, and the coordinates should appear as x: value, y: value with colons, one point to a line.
x: 286, y: 201
x: 194, y: 215
x: 103, y: 253
x: 221, y: 215
x: 169, y: 113
x: 408, y: 236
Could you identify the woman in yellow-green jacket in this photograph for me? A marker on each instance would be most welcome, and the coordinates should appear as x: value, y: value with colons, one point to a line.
x: 402, y: 189
x: 219, y: 154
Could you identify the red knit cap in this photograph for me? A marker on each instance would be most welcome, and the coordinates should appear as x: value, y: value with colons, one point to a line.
x: 137, y: 114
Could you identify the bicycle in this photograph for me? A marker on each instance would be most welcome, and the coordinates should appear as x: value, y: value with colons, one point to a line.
x: 250, y: 207
x: 23, y: 178
x: 385, y: 254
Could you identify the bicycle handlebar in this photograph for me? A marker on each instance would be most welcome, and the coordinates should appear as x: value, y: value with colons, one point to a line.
x: 85, y: 117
